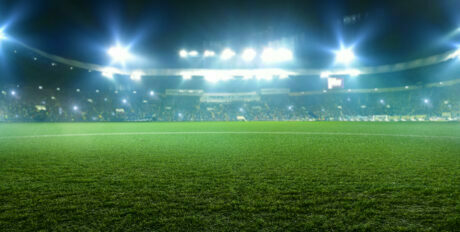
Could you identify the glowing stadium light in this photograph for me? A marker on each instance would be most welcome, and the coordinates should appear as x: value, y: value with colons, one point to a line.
x: 186, y: 76
x: 426, y: 101
x: 290, y: 108
x: 13, y: 93
x: 211, y: 78
x: 119, y: 54
x: 108, y: 72
x: 2, y: 35
x: 209, y: 53
x: 136, y: 75
x: 75, y: 108
x: 249, y: 54
x: 270, y: 55
x: 283, y: 75
x: 325, y: 74
x: 152, y: 93
x: 227, y: 54
x: 284, y: 54
x: 344, y: 56
x: 124, y: 101
x: 353, y: 72
x: 183, y: 53
x: 40, y: 87
x: 193, y: 53
x: 382, y: 101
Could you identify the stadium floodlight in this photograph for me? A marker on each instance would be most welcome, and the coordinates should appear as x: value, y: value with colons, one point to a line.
x: 136, y: 75
x: 40, y: 87
x: 284, y: 55
x: 211, y: 78
x: 193, y: 53
x: 325, y: 74
x: 183, y: 53
x: 186, y: 76
x: 124, y: 101
x: 249, y: 54
x: 344, y: 56
x: 108, y: 72
x: 152, y: 93
x: 290, y: 108
x: 426, y: 101
x: 2, y: 35
x: 13, y: 93
x: 119, y: 54
x: 382, y: 101
x: 209, y: 53
x: 75, y: 108
x: 270, y: 55
x: 227, y: 54
x: 354, y: 72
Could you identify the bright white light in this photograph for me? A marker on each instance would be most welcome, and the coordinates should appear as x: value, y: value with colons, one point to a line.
x: 193, y: 53
x: 13, y: 92
x: 75, y: 108
x: 183, y: 53
x: 325, y: 74
x: 344, y: 56
x: 227, y: 54
x: 426, y: 100
x: 211, y: 78
x: 248, y: 55
x: 382, y: 101
x: 108, y: 72
x: 136, y: 75
x: 40, y: 87
x: 354, y: 72
x: 270, y: 55
x: 2, y: 35
x: 209, y: 53
x: 152, y: 93
x: 284, y: 55
x: 186, y: 76
x: 119, y: 54
x: 291, y: 107
x: 124, y: 101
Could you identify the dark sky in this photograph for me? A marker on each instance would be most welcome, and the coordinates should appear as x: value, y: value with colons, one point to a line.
x: 384, y: 31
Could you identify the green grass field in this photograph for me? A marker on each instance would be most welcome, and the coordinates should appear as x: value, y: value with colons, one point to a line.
x: 230, y: 176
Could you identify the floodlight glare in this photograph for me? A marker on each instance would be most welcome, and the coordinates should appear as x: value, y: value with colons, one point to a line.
x: 183, y: 53
x: 270, y: 55
x: 249, y: 55
x: 325, y: 74
x: 152, y: 93
x: 426, y: 100
x: 2, y: 35
x: 344, y: 56
x: 124, y: 101
x: 13, y: 92
x: 227, y: 54
x: 136, y: 75
x: 193, y: 53
x: 108, y: 72
x: 119, y: 54
x: 209, y: 53
x: 75, y: 108
x: 284, y: 54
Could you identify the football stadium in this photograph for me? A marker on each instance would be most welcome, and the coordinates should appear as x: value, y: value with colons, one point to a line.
x: 229, y: 115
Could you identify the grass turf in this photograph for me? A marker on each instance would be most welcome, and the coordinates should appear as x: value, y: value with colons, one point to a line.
x: 230, y: 182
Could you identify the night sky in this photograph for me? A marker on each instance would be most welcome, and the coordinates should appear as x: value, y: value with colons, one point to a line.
x: 383, y: 32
